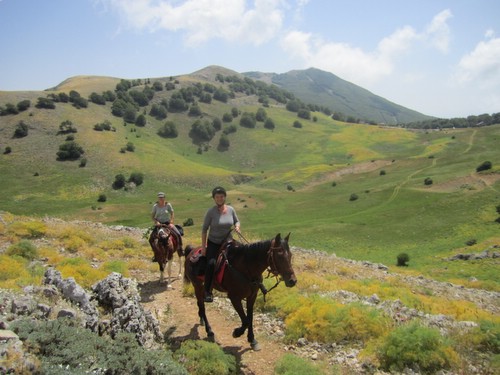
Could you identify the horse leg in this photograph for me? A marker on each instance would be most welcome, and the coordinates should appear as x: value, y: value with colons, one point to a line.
x: 199, y: 291
x: 250, y: 335
x: 169, y: 273
x: 238, y: 306
x: 162, y: 272
x: 180, y: 265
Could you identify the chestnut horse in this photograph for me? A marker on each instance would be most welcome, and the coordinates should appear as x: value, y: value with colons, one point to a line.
x: 163, y: 247
x: 243, y: 278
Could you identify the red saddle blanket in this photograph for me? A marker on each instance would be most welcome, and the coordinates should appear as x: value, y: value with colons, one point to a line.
x: 219, y: 268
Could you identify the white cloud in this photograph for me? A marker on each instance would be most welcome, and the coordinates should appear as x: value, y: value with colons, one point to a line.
x: 438, y: 31
x: 482, y: 65
x: 359, y: 66
x: 202, y: 20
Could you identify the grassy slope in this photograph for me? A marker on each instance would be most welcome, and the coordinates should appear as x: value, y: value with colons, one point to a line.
x: 395, y: 212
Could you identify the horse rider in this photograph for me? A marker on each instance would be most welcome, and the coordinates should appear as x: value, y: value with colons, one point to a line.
x: 216, y: 230
x: 163, y: 214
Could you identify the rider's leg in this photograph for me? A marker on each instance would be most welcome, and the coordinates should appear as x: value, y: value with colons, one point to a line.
x: 211, y: 253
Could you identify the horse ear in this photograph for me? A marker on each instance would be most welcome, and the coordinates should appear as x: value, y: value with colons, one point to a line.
x: 278, y: 238
x: 288, y: 236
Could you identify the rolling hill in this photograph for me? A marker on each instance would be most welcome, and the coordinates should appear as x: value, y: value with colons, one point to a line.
x: 326, y: 89
x: 355, y: 190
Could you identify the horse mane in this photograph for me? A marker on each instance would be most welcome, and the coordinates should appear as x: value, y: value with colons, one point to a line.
x: 249, y: 251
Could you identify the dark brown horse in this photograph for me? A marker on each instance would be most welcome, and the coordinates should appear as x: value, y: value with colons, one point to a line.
x: 162, y: 243
x: 243, y: 278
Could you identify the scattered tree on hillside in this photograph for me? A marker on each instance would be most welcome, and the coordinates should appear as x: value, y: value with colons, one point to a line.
x: 69, y: 151
x: 140, y: 120
x: 261, y: 115
x: 119, y: 181
x: 402, y: 260
x: 297, y: 124
x: 484, y: 166
x: 168, y: 130
x: 195, y: 110
x: 269, y: 124
x: 157, y: 86
x: 247, y: 120
x: 67, y: 127
x: 21, y: 130
x: 45, y: 103
x: 97, y: 99
x: 202, y: 131
x: 230, y: 129
x: 23, y: 105
x: 227, y: 117
x: 10, y: 109
x: 223, y: 142
x: 137, y: 178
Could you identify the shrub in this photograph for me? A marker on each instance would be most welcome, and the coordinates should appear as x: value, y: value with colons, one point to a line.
x: 137, y: 178
x: 297, y: 124
x: 102, y: 198
x: 188, y: 222
x: 80, y: 351
x: 416, y: 347
x: 402, y: 260
x: 382, y: 172
x: 83, y: 162
x: 119, y: 182
x: 291, y: 364
x: 205, y: 358
x: 21, y: 130
x: 428, y: 181
x: 353, y: 197
x: 484, y: 166
x: 130, y: 147
x: 471, y: 242
x: 24, y: 248
x: 8, y: 150
x: 69, y: 151
x: 168, y: 130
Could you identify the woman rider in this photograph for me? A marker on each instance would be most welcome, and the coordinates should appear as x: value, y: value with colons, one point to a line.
x: 216, y: 230
x: 162, y: 213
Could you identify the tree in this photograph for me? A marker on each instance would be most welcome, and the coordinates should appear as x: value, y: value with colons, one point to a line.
x: 247, y: 120
x: 21, y: 130
x: 261, y: 115
x: 140, y: 120
x: 119, y: 181
x: 66, y: 127
x: 45, y: 103
x: 97, y: 99
x: 297, y: 124
x: 23, y: 105
x: 202, y: 130
x: 69, y: 151
x: 402, y: 260
x: 269, y: 123
x: 227, y: 117
x: 195, y: 110
x: 137, y: 178
x: 168, y: 130
x: 484, y: 166
x: 157, y: 86
x: 224, y: 142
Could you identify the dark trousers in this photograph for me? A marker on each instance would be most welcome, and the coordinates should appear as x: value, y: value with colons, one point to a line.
x: 212, y: 253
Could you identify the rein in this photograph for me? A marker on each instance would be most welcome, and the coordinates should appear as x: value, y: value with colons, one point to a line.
x: 272, y: 269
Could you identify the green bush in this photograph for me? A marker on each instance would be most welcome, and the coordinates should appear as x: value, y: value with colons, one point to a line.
x: 484, y: 166
x: 416, y: 347
x: 102, y: 198
x: 24, y: 248
x: 290, y: 364
x: 205, y: 358
x: 403, y: 260
x: 64, y: 347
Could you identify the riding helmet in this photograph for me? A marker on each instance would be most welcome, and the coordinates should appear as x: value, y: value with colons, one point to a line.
x: 218, y: 190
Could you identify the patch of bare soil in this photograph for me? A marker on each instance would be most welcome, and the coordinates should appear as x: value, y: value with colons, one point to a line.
x: 178, y: 317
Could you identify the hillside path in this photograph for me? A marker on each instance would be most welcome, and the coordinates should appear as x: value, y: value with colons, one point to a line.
x: 178, y: 317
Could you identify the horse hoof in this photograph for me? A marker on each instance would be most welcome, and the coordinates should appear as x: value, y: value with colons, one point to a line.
x: 169, y: 286
x: 211, y: 337
x: 255, y: 346
x: 238, y: 332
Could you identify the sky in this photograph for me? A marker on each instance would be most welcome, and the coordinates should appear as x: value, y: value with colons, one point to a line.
x: 438, y: 57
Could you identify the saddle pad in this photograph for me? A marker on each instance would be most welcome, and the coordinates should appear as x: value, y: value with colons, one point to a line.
x: 220, y: 273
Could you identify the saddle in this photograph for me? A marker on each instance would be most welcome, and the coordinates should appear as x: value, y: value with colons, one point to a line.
x: 200, y: 263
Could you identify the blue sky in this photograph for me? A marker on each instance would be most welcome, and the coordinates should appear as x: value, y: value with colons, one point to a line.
x: 439, y: 57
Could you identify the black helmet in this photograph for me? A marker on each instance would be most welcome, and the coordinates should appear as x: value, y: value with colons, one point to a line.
x: 218, y: 190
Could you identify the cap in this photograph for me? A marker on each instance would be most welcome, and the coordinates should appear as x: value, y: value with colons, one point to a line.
x: 161, y: 195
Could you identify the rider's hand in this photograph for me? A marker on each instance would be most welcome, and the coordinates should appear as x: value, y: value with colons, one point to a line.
x: 237, y: 229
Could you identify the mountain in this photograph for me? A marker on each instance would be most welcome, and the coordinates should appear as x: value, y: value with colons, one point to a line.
x: 326, y: 89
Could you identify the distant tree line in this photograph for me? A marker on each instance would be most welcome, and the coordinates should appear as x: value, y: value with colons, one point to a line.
x: 458, y: 122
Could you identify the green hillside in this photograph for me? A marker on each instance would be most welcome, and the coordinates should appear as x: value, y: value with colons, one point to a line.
x: 326, y: 89
x: 289, y: 179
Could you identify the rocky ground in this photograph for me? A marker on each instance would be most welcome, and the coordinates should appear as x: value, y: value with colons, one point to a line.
x: 171, y: 312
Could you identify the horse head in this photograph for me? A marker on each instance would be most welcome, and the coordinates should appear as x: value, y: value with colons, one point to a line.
x: 280, y: 260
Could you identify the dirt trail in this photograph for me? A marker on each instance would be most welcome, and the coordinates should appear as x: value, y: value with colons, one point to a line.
x: 178, y: 317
